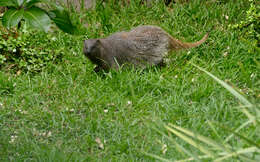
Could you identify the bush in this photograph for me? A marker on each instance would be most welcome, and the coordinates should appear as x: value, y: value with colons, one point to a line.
x: 28, y: 51
x: 250, y: 26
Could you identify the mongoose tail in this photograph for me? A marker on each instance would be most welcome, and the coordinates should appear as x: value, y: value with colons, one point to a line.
x: 176, y: 44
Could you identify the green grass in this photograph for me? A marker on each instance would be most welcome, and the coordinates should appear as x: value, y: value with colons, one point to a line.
x: 57, y: 114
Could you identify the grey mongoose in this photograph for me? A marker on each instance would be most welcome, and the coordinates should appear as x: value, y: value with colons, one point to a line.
x: 141, y: 47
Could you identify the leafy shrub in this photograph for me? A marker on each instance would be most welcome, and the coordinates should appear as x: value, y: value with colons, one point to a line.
x: 250, y: 26
x: 28, y: 51
x: 35, y: 17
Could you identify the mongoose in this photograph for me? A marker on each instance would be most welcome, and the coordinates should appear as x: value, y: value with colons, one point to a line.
x: 142, y: 46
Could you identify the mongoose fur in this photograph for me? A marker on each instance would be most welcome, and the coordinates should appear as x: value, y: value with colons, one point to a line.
x: 142, y: 46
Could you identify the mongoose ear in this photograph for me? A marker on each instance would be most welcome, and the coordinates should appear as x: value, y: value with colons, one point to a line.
x: 90, y: 43
x: 98, y: 42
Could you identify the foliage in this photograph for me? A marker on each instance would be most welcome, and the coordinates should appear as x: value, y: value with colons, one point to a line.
x: 34, y: 16
x: 250, y: 26
x: 24, y: 52
x: 20, y: 49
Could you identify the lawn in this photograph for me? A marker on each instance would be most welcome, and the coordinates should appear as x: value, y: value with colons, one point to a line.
x: 67, y: 112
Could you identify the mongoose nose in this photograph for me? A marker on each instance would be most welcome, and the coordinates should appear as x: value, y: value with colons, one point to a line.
x: 85, y: 43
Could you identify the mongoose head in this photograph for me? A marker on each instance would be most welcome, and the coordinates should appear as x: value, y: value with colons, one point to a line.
x: 92, y: 50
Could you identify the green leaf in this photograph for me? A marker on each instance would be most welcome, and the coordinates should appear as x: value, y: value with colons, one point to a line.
x: 62, y: 20
x: 20, y: 2
x: 37, y: 18
x: 33, y: 2
x: 9, y: 3
x: 12, y: 17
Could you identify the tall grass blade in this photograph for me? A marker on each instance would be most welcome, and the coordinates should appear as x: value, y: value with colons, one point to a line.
x: 179, y: 148
x: 192, y: 159
x: 238, y: 129
x: 248, y: 114
x: 199, y: 137
x: 191, y: 142
x: 222, y: 155
x: 247, y: 159
x: 243, y: 151
x: 157, y: 157
x: 242, y: 137
x: 256, y: 110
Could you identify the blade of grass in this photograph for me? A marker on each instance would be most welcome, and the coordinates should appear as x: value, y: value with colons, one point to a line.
x: 245, y: 158
x: 238, y: 129
x: 157, y: 157
x: 179, y: 148
x: 219, y: 154
x: 214, y: 130
x: 200, y: 137
x: 243, y: 151
x: 242, y: 137
x: 255, y: 108
x: 192, y: 159
x: 190, y: 141
x: 251, y: 117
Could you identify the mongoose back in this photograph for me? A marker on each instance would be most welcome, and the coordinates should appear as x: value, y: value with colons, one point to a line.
x: 142, y: 46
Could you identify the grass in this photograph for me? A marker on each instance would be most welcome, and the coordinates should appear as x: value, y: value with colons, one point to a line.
x: 58, y: 114
x: 220, y: 149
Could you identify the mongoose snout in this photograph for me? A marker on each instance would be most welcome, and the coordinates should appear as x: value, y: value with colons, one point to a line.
x: 141, y: 47
x: 89, y: 46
